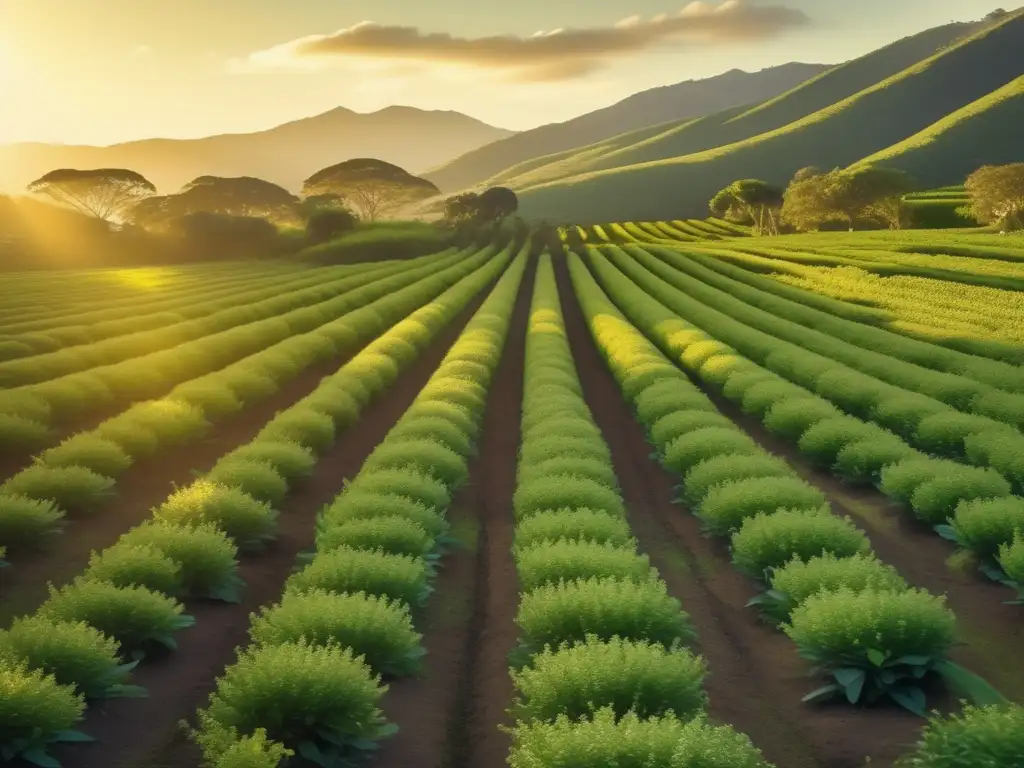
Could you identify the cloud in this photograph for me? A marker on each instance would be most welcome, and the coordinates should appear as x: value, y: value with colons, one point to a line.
x: 559, y: 54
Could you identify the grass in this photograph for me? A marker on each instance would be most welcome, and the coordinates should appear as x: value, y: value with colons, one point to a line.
x: 377, y: 241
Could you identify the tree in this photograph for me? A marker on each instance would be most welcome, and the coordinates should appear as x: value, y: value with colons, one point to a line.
x: 876, y: 193
x: 750, y: 200
x: 208, y: 235
x: 372, y: 187
x: 496, y: 203
x: 105, y: 193
x: 240, y: 196
x: 327, y: 224
x: 997, y: 195
x: 813, y: 200
x: 313, y: 204
x: 461, y: 209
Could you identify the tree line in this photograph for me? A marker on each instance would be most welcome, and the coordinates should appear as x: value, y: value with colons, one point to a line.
x: 870, y: 196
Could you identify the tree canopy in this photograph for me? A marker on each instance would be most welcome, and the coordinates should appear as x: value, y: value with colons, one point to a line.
x: 372, y: 187
x: 997, y: 195
x: 105, y: 193
x: 749, y: 200
x: 228, y: 196
x: 492, y: 205
x: 869, y: 194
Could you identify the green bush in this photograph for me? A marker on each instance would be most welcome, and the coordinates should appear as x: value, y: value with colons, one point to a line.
x: 796, y: 580
x: 289, y: 460
x: 395, y: 535
x: 437, y: 429
x: 225, y: 748
x: 305, y: 426
x: 853, y: 391
x: 104, y: 457
x: 375, y: 628
x: 568, y: 612
x: 457, y: 415
x: 578, y: 680
x: 210, y: 395
x: 890, y: 641
x: 76, y: 654
x: 680, y: 423
x: 206, y: 557
x: 944, y: 433
x: 904, y: 412
x: 299, y: 694
x: 554, y: 446
x: 1011, y: 559
x: 136, y: 440
x: 130, y: 566
x: 936, y: 500
x: 983, y: 525
x: 631, y: 742
x: 36, y: 712
x: 823, y: 441
x: 136, y: 617
x: 335, y: 402
x: 73, y: 489
x: 769, y: 541
x: 565, y: 426
x: 761, y: 398
x: 684, y: 453
x: 735, y: 387
x: 358, y: 505
x: 711, y: 473
x: 254, y: 478
x: 549, y: 563
x: 427, y: 456
x: 864, y: 460
x: 595, y: 470
x: 558, y: 491
x: 248, y: 522
x: 977, y: 737
x: 727, y: 506
x: 1000, y: 449
x: 248, y: 384
x: 573, y: 525
x: 173, y: 422
x: 793, y: 417
x: 408, y: 482
x: 19, y: 434
x: 27, y: 405
x: 341, y: 570
x: 660, y: 400
x: 26, y: 522
x: 900, y: 481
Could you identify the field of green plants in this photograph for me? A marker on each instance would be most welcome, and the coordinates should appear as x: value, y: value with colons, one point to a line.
x: 674, y: 496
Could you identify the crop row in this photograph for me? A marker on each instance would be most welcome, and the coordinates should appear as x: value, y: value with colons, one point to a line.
x: 872, y: 635
x: 80, y: 474
x: 152, y: 313
x: 311, y: 680
x: 973, y: 505
x: 127, y: 601
x: 602, y: 674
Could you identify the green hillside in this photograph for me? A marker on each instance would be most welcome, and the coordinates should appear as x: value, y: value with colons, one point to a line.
x: 840, y: 134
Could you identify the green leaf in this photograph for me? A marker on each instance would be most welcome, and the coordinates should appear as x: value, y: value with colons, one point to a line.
x: 913, y: 661
x: 909, y: 697
x: 225, y: 593
x: 127, y: 692
x: 387, y: 730
x: 852, y: 681
x: 948, y: 532
x: 310, y: 751
x: 71, y: 737
x: 876, y: 657
x: 825, y: 692
x: 38, y: 756
x: 972, y: 686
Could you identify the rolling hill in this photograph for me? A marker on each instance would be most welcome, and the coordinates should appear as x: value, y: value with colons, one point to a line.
x: 670, y: 175
x: 691, y: 98
x: 411, y: 138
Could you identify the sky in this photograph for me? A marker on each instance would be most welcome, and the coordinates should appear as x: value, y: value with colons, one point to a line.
x: 106, y: 71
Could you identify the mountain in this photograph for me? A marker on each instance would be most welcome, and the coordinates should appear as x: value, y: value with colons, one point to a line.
x: 411, y: 138
x: 673, y: 174
x: 691, y: 98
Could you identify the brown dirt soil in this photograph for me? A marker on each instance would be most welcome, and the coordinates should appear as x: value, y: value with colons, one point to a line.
x: 756, y: 678
x: 137, y: 733
x: 449, y: 718
x: 992, y: 631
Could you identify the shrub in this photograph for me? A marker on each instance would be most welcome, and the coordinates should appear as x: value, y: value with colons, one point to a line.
x: 578, y: 680
x: 207, y: 558
x: 900, y: 481
x: 76, y: 654
x: 573, y: 525
x: 247, y: 384
x: 336, y: 403
x: 680, y: 423
x: 36, y: 712
x: 902, y: 413
x: 104, y: 457
x: 427, y: 456
x: 891, y: 640
x: 248, y: 522
x: 305, y: 426
x: 395, y: 535
x: 136, y: 440
x: 324, y: 225
x: 983, y: 525
x: 74, y: 489
x: 851, y: 390
x: 727, y: 506
x: 356, y: 505
x: 684, y: 453
x: 569, y: 612
x: 173, y: 422
x: 397, y: 577
x: 254, y: 478
x: 944, y: 433
x: 1011, y: 559
x: 26, y: 404
x: 558, y: 491
x: 26, y: 522
x: 631, y: 742
x: 658, y: 401
x: 761, y: 398
x: 555, y: 446
x: 549, y: 563
x: 596, y: 470
x: 136, y: 617
x: 407, y: 482
x: 977, y: 737
x: 798, y: 579
x: 210, y: 395
x: 457, y: 415
x: 1000, y: 449
x: 565, y: 426
x: 791, y: 418
x: 130, y: 566
x: 864, y: 460
x: 435, y: 428
x: 230, y: 750
x: 823, y: 441
x: 769, y: 541
x: 935, y: 500
x: 711, y: 473
x: 375, y: 628
x: 289, y: 460
x: 21, y: 434
x: 739, y: 381
x: 300, y: 693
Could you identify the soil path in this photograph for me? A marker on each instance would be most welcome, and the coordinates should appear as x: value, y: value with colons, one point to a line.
x: 756, y: 679
x: 449, y: 718
x: 133, y: 733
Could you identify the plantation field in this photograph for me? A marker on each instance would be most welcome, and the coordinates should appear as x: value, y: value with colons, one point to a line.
x: 677, y: 496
